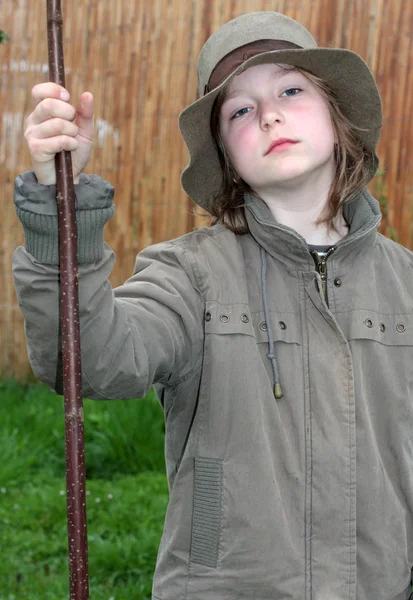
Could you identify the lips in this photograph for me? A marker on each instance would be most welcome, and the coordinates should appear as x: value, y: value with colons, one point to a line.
x: 280, y: 142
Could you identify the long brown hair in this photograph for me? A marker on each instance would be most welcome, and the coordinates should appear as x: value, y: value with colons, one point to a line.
x: 351, y: 157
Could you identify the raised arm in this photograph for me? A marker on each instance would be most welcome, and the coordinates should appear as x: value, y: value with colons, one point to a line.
x: 146, y: 331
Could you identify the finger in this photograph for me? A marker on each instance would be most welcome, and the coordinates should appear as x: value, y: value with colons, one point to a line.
x: 50, y: 108
x: 48, y: 90
x: 84, y: 115
x: 42, y: 150
x: 53, y: 127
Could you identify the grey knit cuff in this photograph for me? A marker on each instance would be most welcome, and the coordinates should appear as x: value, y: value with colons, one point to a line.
x: 36, y: 208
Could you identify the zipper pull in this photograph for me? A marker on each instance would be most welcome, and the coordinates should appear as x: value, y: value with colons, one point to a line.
x: 322, y: 269
x: 321, y: 265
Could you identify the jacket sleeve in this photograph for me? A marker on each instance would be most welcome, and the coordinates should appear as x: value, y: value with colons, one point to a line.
x: 149, y: 330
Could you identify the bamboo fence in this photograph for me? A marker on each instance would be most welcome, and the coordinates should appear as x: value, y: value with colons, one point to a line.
x: 139, y: 61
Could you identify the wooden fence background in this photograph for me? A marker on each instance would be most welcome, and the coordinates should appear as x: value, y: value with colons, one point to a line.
x: 138, y: 58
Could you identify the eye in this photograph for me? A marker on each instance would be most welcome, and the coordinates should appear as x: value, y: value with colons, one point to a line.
x: 240, y: 112
x: 292, y: 92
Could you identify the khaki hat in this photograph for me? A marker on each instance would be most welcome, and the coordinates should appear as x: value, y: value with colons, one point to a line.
x: 254, y: 39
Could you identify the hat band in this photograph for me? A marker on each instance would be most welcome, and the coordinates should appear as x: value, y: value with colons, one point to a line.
x: 234, y: 59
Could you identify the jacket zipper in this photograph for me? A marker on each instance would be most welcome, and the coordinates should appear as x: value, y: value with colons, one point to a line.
x: 321, y: 264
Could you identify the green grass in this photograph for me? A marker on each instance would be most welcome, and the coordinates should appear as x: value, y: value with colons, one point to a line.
x: 127, y: 495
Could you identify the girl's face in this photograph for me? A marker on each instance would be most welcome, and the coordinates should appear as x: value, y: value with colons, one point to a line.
x: 267, y: 103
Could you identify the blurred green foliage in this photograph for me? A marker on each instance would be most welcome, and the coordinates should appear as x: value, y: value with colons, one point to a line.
x: 3, y: 37
x: 127, y: 494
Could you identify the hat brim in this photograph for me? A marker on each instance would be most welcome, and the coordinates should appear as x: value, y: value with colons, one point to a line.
x: 344, y: 71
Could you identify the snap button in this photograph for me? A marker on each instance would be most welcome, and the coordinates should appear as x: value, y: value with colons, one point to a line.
x: 224, y: 318
x: 337, y: 282
x: 368, y: 323
x: 208, y: 316
x: 382, y: 327
x: 263, y: 326
x: 401, y: 327
x: 244, y: 318
x: 282, y: 325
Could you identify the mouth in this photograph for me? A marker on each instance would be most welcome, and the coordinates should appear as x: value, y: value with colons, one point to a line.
x: 279, y: 145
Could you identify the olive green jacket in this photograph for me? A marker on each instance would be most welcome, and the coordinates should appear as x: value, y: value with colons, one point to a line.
x: 307, y: 497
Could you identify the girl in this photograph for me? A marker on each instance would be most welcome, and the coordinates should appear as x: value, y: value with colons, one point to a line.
x: 279, y: 340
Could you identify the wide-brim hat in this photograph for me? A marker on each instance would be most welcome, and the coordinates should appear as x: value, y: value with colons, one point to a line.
x: 247, y: 41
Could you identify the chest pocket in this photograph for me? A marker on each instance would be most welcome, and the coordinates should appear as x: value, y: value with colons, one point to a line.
x: 382, y: 349
x: 251, y: 356
x: 390, y: 330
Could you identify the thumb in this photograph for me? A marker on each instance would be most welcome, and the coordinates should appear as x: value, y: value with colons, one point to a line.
x: 84, y: 115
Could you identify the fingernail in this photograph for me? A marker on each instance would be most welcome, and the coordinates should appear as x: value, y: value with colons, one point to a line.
x: 64, y: 95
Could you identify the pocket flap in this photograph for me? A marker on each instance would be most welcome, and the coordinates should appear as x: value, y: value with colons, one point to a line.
x: 391, y: 330
x: 228, y: 319
x: 237, y: 318
x: 285, y: 327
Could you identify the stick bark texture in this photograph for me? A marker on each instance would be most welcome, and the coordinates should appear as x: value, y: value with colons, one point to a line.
x: 70, y: 332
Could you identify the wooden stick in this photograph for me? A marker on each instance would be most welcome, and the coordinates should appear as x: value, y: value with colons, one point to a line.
x: 69, y: 324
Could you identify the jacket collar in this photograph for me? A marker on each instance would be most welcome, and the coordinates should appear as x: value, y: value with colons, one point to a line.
x: 287, y: 245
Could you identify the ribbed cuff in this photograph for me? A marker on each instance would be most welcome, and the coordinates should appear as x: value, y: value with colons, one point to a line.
x: 36, y: 207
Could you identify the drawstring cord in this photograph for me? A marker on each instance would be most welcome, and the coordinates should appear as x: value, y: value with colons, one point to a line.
x: 278, y: 391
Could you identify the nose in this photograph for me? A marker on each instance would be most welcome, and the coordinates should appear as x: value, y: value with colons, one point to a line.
x: 271, y: 115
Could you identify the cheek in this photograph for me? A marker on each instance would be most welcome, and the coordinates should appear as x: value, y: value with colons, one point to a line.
x: 240, y: 142
x: 322, y: 126
x: 317, y: 128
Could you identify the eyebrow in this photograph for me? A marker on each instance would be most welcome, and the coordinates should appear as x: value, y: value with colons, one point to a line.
x: 284, y: 74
